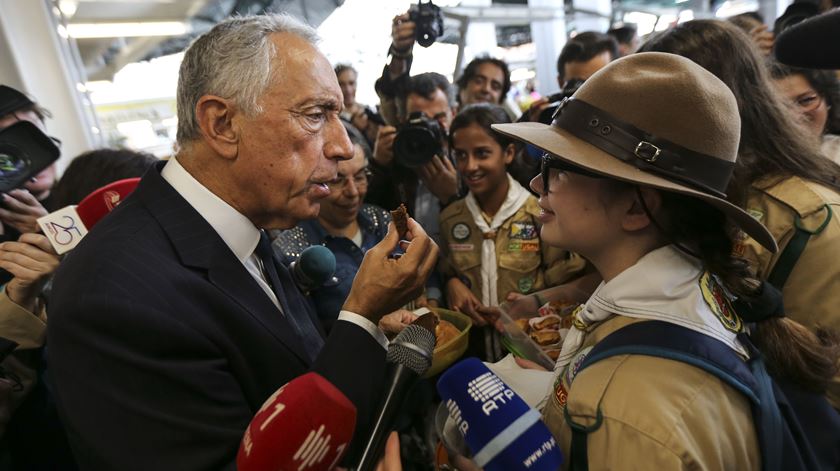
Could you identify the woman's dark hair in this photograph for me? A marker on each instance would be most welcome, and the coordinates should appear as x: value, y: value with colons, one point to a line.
x: 94, y: 169
x: 792, y: 351
x: 824, y: 82
x: 773, y: 141
x: 339, y: 68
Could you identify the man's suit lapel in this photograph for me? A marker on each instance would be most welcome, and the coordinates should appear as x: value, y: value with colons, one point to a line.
x: 199, y: 246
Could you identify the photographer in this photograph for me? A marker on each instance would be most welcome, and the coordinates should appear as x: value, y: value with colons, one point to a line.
x: 419, y: 173
x: 579, y: 59
x: 21, y: 207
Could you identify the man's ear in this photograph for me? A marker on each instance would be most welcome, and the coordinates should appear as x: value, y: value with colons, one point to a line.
x: 637, y: 218
x: 215, y: 116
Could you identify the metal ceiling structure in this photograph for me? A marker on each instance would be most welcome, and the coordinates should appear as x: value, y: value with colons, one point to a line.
x: 103, y: 57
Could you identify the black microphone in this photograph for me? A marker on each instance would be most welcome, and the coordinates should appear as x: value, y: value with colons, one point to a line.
x: 409, y: 356
x: 314, y: 268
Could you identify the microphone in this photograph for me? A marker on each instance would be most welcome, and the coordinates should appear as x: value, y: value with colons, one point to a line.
x: 409, y: 356
x: 314, y: 268
x: 501, y: 430
x: 305, y: 425
x: 66, y: 227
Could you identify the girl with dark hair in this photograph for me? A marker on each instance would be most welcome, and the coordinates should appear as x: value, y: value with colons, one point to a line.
x: 780, y: 177
x: 815, y: 96
x: 491, y: 242
x: 634, y: 178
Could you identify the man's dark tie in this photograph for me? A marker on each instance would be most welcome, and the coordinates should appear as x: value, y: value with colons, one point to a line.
x: 282, y: 284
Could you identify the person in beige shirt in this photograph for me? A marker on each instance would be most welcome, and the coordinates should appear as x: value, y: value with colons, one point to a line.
x: 781, y: 177
x: 634, y: 180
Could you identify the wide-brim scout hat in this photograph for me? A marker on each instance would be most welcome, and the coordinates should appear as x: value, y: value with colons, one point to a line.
x: 655, y: 119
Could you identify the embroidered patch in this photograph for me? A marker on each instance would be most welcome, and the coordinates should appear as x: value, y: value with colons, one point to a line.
x: 574, y: 366
x: 561, y: 395
x: 718, y: 302
x: 461, y: 247
x: 517, y: 245
x: 525, y: 284
x: 523, y: 230
x: 461, y: 231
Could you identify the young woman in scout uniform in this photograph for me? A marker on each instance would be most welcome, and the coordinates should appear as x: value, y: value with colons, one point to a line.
x: 634, y: 180
x: 780, y: 177
x: 491, y: 241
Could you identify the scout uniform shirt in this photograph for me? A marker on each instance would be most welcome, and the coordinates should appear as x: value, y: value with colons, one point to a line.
x: 811, y: 294
x: 523, y: 263
x: 656, y: 413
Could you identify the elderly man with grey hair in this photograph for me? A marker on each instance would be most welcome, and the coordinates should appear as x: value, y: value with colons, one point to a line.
x: 171, y: 323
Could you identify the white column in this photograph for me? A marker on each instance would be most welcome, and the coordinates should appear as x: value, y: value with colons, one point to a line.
x: 36, y: 60
x: 548, y: 36
x: 584, y: 22
x: 481, y: 35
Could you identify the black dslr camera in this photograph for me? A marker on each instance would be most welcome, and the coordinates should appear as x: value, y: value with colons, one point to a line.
x: 428, y: 21
x: 418, y: 141
x: 24, y: 151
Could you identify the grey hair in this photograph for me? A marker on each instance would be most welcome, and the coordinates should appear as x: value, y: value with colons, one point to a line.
x: 232, y: 61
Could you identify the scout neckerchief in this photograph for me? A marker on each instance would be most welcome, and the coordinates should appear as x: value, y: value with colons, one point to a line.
x: 516, y: 197
x: 665, y: 285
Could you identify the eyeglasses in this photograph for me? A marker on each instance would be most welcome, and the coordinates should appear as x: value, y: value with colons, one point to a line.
x: 360, y: 181
x: 809, y: 102
x: 549, y: 162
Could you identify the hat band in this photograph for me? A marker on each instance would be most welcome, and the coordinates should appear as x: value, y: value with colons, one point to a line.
x: 643, y: 150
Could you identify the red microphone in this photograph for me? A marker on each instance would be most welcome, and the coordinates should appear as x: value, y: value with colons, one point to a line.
x: 66, y: 227
x: 305, y: 425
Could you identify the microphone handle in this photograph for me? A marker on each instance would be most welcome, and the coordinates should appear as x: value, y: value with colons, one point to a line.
x: 402, y: 378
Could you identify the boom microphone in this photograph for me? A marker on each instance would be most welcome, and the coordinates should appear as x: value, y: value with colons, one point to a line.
x: 409, y: 356
x: 66, y: 227
x: 305, y: 425
x: 314, y: 267
x: 503, y: 433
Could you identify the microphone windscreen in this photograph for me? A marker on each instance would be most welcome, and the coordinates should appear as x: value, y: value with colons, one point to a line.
x: 316, y: 264
x: 305, y: 425
x: 102, y: 201
x: 501, y: 430
x: 412, y: 348
x: 813, y: 43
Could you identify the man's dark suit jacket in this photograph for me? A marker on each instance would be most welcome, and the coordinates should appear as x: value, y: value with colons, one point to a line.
x: 162, y: 346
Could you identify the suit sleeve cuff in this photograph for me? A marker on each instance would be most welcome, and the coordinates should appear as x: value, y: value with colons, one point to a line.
x: 366, y: 324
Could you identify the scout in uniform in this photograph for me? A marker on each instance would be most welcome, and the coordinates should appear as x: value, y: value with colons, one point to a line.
x: 634, y: 180
x: 781, y: 178
x: 491, y: 242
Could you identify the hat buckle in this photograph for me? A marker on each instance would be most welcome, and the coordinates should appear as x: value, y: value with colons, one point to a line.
x: 647, y: 151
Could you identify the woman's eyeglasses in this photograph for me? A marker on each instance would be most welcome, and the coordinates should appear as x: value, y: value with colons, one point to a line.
x: 360, y: 180
x: 551, y: 162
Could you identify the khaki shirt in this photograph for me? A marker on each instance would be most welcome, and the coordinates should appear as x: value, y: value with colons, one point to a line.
x: 29, y: 332
x: 525, y: 263
x: 658, y: 414
x: 812, y: 291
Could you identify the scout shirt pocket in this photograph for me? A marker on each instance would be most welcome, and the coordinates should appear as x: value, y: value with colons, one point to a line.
x: 519, y: 257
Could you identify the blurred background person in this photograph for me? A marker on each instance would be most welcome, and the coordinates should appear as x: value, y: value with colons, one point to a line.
x: 627, y: 37
x: 21, y: 207
x: 753, y: 24
x: 780, y: 177
x: 815, y: 96
x: 360, y: 116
